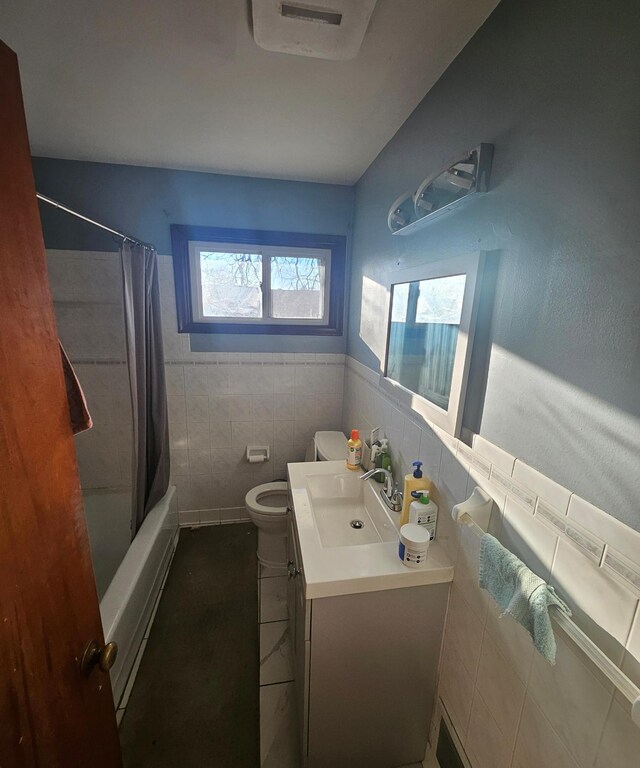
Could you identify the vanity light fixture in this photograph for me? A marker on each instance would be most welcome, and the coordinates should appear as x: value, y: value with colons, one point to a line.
x: 460, y: 178
x: 442, y: 192
x: 401, y: 213
x: 425, y: 205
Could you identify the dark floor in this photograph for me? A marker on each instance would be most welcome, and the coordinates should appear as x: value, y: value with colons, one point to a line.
x: 195, y: 701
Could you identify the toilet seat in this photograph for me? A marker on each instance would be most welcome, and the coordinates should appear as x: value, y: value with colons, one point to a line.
x: 254, y: 496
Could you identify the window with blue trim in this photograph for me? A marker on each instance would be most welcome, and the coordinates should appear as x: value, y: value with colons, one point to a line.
x: 258, y: 281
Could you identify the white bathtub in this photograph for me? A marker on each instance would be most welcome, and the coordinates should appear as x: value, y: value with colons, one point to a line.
x: 108, y: 515
x: 133, y: 571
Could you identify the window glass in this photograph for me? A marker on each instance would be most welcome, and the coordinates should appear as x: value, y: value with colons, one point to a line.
x: 231, y: 284
x: 297, y: 287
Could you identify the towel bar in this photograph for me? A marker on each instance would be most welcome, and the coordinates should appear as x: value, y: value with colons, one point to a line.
x: 462, y: 513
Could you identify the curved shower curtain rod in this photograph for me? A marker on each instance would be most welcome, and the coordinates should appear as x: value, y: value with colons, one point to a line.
x: 66, y: 209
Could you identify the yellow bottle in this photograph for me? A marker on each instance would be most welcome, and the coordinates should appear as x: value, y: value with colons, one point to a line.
x: 354, y: 451
x: 413, y: 481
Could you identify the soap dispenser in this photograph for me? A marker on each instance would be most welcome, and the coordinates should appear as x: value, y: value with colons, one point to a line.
x: 424, y: 512
x: 382, y: 460
x: 413, y: 481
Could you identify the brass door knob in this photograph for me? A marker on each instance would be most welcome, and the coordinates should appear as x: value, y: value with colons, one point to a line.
x: 103, y: 657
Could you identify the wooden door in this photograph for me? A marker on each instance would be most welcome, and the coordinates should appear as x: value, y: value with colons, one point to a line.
x: 50, y: 715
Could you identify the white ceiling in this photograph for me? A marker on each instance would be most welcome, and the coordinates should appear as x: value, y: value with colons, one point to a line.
x: 182, y: 84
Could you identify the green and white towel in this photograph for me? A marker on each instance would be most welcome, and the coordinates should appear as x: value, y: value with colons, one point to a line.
x: 520, y: 593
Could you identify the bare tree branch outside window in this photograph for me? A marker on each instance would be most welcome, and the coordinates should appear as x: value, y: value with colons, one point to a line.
x: 232, y: 285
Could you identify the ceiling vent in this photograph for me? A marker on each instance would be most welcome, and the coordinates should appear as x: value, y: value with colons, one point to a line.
x: 325, y: 29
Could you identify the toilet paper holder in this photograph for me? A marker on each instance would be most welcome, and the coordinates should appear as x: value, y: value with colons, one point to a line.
x: 257, y: 454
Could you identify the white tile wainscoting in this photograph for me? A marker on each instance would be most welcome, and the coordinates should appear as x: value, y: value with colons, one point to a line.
x: 217, y: 409
x: 509, y: 707
x: 87, y: 294
x: 104, y: 452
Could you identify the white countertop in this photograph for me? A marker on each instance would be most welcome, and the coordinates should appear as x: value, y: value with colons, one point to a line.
x: 344, y: 570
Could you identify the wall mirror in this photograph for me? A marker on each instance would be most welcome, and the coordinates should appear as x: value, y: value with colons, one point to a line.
x: 432, y: 311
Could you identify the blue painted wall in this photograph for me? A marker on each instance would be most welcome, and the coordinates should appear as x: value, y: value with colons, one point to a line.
x: 555, y: 87
x: 145, y: 201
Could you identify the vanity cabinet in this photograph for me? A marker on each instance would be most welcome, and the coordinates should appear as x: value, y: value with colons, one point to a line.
x: 365, y: 670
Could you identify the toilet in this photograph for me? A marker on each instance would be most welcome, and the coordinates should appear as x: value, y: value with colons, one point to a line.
x: 267, y: 504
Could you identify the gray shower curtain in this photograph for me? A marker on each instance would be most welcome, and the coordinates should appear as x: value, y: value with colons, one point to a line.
x: 146, y: 377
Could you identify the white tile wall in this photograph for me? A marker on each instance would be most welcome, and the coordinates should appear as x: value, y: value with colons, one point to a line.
x: 87, y: 295
x: 512, y: 641
x: 463, y: 629
x: 537, y: 744
x: 620, y: 744
x: 528, y: 538
x: 496, y: 456
x: 616, y: 534
x: 573, y: 699
x: 486, y: 745
x: 456, y: 687
x: 218, y: 408
x: 466, y: 575
x: 91, y: 331
x: 508, y: 705
x: 552, y: 493
x: 502, y: 689
x: 591, y: 590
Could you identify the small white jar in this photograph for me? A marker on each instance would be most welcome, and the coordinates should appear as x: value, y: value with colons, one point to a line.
x: 413, y: 545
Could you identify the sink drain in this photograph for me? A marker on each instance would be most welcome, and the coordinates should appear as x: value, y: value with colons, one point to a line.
x: 357, y: 524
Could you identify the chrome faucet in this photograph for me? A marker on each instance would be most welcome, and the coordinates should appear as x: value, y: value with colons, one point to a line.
x: 391, y: 496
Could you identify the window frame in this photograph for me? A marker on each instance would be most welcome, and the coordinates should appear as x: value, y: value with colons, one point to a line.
x: 471, y: 265
x: 182, y: 236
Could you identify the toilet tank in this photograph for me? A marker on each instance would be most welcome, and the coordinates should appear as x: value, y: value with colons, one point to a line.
x: 330, y: 446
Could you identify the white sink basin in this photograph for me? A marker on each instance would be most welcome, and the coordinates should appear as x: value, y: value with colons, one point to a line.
x: 349, y: 512
x: 338, y: 559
